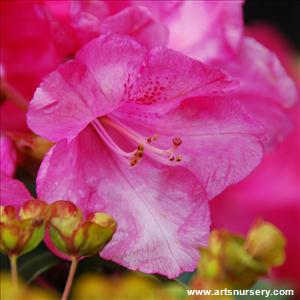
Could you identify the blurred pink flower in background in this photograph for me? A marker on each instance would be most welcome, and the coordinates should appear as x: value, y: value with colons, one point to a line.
x: 27, y: 54
x: 272, y: 191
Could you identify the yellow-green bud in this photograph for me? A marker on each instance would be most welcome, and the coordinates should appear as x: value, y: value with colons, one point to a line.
x: 22, y: 232
x: 266, y: 244
x: 75, y: 237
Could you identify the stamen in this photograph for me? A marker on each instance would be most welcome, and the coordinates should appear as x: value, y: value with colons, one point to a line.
x: 109, y: 141
x: 165, y: 156
x: 177, y: 141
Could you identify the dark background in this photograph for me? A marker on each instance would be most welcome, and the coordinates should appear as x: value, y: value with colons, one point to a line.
x: 284, y: 15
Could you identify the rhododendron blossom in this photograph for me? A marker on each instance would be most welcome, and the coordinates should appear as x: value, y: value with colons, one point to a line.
x: 146, y: 135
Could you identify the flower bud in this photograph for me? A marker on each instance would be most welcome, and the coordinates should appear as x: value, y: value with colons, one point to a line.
x: 231, y: 261
x: 31, y: 144
x: 225, y: 262
x: 266, y: 244
x: 22, y: 232
x: 75, y: 237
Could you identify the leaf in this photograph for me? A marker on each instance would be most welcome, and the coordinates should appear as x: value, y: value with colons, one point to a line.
x: 36, y: 262
x: 185, y: 278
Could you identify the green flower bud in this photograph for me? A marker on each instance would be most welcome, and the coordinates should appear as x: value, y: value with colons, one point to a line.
x: 75, y: 237
x: 23, y: 232
x: 266, y: 244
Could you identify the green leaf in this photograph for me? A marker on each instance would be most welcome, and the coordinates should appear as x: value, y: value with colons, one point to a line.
x: 185, y: 278
x: 36, y: 262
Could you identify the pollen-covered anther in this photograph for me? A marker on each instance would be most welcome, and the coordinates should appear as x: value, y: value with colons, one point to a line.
x: 139, y: 154
x: 177, y: 141
x: 152, y: 138
x: 133, y: 162
x: 140, y: 147
x: 178, y: 158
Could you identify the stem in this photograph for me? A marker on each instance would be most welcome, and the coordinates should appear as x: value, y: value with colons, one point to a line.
x: 69, y: 282
x: 14, y: 269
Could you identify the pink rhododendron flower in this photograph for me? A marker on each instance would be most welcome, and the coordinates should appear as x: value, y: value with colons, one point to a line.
x: 8, y: 156
x: 105, y: 109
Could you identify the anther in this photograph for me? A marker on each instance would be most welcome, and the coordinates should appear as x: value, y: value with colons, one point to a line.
x: 133, y: 162
x: 151, y: 138
x: 178, y: 158
x: 139, y: 154
x: 177, y: 141
x: 140, y: 147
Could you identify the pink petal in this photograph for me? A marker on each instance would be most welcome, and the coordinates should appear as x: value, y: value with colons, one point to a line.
x: 276, y: 120
x: 161, y: 212
x: 138, y: 23
x: 8, y: 156
x: 201, y: 29
x: 85, y: 88
x: 110, y: 71
x: 263, y: 76
x: 167, y: 77
x: 221, y: 143
x: 12, y: 191
x: 265, y: 88
x: 275, y: 41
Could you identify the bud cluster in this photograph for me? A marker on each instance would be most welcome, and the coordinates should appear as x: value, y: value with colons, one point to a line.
x: 236, y: 262
x: 22, y: 230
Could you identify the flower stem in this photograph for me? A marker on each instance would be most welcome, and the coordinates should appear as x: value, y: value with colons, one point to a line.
x: 69, y: 282
x: 14, y: 269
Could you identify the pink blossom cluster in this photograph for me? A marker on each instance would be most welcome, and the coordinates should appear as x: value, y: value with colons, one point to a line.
x: 155, y: 108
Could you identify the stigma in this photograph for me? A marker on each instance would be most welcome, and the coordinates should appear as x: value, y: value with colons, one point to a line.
x: 145, y: 146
